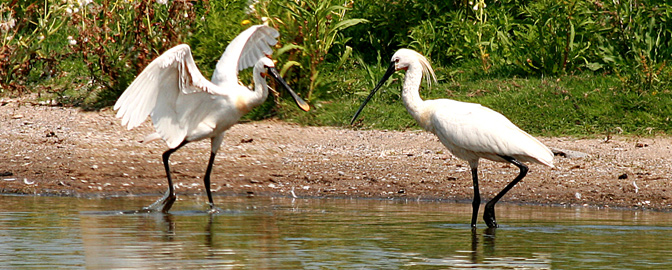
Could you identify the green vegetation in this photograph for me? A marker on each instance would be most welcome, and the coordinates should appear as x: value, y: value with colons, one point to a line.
x: 571, y: 67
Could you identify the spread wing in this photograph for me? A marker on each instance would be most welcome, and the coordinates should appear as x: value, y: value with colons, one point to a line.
x: 155, y: 92
x: 244, y: 51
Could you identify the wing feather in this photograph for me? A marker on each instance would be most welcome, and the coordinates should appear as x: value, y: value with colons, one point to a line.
x: 470, y: 130
x: 244, y: 51
x: 155, y: 92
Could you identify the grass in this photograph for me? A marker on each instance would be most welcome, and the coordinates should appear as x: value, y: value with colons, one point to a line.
x: 634, y: 98
x: 572, y: 105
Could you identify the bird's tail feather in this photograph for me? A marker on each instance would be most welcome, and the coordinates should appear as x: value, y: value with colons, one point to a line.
x: 151, y: 137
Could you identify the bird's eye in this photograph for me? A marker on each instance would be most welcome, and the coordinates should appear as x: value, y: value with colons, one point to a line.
x: 396, y: 60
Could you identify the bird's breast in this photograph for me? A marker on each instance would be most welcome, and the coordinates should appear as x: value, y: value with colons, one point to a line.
x: 242, y: 105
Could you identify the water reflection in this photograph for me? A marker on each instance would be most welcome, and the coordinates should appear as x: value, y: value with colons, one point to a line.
x: 285, y: 233
x: 483, y: 254
x: 488, y: 243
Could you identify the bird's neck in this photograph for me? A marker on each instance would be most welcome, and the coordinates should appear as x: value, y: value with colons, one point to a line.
x: 411, y: 93
x: 260, y: 92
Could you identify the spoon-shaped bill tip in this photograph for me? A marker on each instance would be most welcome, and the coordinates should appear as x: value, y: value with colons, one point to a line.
x: 303, y: 105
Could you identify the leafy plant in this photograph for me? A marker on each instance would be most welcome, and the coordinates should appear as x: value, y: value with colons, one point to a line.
x: 219, y: 23
x: 481, y: 21
x: 552, y: 36
x: 310, y: 28
x: 643, y: 42
x: 116, y: 39
x: 30, y: 34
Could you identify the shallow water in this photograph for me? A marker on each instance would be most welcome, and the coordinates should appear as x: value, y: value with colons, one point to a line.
x: 286, y: 233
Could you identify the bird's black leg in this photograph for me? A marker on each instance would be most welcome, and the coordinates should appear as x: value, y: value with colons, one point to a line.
x: 489, y: 212
x: 206, y: 182
x: 477, y: 198
x: 166, y: 202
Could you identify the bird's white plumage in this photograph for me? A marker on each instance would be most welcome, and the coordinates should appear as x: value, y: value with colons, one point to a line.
x: 156, y: 90
x: 244, y: 51
x: 170, y: 74
x: 182, y: 103
x: 427, y: 70
x: 471, y: 131
x: 186, y: 107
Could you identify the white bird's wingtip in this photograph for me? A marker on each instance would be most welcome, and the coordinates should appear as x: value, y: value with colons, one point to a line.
x: 549, y: 161
x: 151, y: 137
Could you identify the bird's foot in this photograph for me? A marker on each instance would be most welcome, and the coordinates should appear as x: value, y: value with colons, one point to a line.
x: 489, y: 217
x: 161, y: 205
x: 214, y: 209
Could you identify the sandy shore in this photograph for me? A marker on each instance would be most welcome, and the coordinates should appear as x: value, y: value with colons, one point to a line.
x: 49, y: 150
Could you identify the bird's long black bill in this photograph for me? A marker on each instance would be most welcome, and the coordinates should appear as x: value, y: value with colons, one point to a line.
x: 299, y: 102
x: 390, y: 70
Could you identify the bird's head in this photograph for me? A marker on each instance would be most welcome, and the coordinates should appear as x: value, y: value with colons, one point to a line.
x: 402, y: 59
x: 263, y: 66
x: 267, y: 68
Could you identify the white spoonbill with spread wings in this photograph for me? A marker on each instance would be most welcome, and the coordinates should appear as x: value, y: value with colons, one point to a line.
x: 469, y: 130
x: 185, y: 107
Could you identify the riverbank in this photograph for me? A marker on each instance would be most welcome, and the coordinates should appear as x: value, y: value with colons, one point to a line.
x: 50, y: 150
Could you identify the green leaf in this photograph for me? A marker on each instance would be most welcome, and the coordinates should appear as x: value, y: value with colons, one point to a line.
x: 344, y: 57
x: 594, y: 66
x: 347, y: 23
x: 571, y: 34
x: 287, y: 66
x: 289, y: 47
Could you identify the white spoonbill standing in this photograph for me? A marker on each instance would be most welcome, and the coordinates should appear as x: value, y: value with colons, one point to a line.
x: 186, y: 107
x: 469, y: 130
